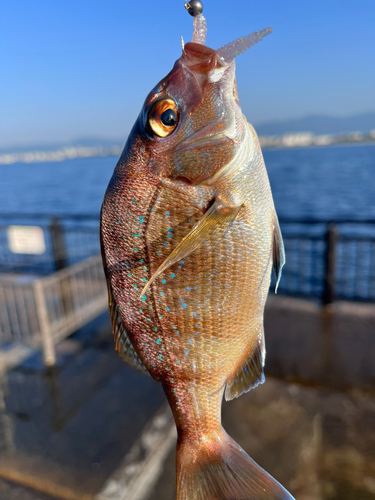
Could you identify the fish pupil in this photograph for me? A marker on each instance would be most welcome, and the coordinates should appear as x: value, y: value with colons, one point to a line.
x: 169, y: 118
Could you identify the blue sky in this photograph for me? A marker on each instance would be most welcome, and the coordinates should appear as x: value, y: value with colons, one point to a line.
x: 83, y: 68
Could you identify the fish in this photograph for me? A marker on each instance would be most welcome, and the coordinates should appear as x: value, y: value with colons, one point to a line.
x: 189, y: 236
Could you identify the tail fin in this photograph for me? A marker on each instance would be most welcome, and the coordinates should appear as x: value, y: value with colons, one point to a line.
x: 221, y: 470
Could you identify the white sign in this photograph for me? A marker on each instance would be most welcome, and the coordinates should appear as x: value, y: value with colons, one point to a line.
x: 26, y: 239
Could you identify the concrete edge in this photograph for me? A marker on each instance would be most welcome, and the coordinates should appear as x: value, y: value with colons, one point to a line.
x: 143, y: 464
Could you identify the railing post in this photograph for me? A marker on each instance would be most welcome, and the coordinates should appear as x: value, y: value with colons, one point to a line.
x: 58, y: 244
x: 61, y: 261
x: 328, y: 295
x: 49, y: 353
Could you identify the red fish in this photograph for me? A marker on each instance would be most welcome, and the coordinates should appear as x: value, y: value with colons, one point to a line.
x: 189, y: 234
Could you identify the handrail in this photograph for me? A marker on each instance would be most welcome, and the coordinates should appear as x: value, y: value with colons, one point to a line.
x: 95, y: 217
x: 49, y: 216
x: 326, y: 258
x: 287, y: 220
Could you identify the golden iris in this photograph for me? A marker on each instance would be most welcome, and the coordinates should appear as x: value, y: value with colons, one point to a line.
x: 163, y: 117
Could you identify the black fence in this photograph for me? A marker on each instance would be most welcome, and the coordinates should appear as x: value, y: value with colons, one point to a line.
x: 328, y: 260
x: 67, y: 239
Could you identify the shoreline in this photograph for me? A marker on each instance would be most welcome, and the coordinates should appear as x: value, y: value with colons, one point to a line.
x: 115, y: 151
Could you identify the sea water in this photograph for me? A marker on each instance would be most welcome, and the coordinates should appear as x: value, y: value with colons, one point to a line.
x: 319, y: 183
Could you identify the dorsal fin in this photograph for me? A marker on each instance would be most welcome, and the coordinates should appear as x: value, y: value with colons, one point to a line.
x: 123, y: 344
x: 250, y: 373
x: 278, y: 252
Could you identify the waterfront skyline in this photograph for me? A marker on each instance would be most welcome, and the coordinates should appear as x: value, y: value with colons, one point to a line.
x: 85, y: 69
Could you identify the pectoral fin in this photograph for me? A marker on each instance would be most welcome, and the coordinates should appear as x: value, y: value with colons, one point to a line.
x: 218, y: 216
x: 278, y: 252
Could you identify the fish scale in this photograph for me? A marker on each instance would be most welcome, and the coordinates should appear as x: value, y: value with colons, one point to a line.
x: 189, y: 234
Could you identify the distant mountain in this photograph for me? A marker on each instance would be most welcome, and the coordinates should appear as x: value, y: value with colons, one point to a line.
x: 319, y: 125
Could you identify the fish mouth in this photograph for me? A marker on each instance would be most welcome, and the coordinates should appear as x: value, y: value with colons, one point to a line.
x: 199, y: 58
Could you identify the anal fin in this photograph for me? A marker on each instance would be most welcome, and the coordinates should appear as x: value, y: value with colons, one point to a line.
x: 250, y: 373
x: 123, y: 344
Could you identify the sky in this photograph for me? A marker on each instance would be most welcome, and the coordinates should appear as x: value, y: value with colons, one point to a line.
x: 74, y: 69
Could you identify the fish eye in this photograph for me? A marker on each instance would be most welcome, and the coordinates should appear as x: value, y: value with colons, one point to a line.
x: 169, y: 118
x: 163, y: 117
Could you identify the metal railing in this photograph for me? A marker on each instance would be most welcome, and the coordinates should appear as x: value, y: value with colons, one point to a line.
x: 43, y: 311
x: 326, y: 260
x: 67, y: 239
x: 329, y: 260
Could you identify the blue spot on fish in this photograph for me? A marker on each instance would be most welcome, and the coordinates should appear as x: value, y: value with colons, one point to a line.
x: 164, y: 282
x: 173, y: 275
x: 166, y: 213
x: 190, y: 341
x: 194, y: 314
x: 165, y: 243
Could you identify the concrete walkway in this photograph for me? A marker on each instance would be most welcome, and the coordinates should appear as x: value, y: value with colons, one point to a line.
x: 94, y: 429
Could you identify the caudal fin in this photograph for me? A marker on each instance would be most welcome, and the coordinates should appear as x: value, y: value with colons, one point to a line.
x: 221, y: 470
